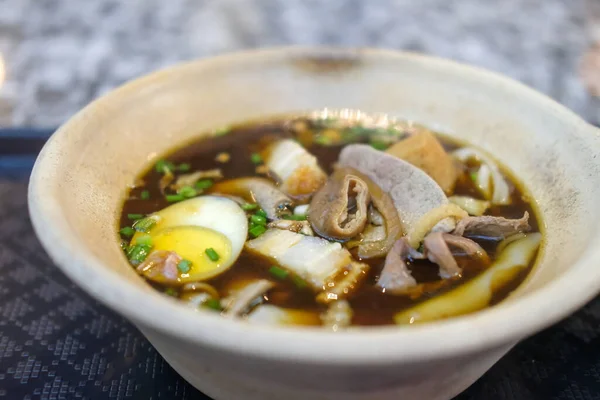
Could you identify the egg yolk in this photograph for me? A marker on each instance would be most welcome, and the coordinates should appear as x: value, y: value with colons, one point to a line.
x: 191, y: 243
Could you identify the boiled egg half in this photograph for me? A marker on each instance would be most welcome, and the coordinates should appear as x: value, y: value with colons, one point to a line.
x: 192, y: 227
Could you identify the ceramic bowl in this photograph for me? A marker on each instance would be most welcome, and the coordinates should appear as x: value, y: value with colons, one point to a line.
x: 80, y: 180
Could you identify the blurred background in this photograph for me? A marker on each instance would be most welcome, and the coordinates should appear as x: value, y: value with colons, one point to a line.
x: 58, y: 55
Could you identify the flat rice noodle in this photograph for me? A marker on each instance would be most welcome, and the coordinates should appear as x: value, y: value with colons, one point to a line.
x: 413, y: 192
x: 471, y: 205
x: 269, y: 314
x: 489, y: 178
x: 477, y: 293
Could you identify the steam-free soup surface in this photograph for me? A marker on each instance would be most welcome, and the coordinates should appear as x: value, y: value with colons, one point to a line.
x: 283, y: 292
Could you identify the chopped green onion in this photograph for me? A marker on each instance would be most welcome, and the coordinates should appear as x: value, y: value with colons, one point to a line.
x: 144, y: 224
x: 258, y: 219
x: 249, y: 206
x: 473, y: 176
x: 204, y: 184
x: 174, y: 198
x: 256, y: 158
x: 145, y: 195
x: 323, y: 140
x: 164, y: 166
x: 212, y: 254
x: 171, y: 292
x: 138, y: 253
x: 214, y: 304
x: 378, y: 145
x: 261, y: 212
x: 257, y: 230
x: 187, y: 191
x: 222, y: 131
x: 299, y: 282
x: 184, y: 167
x: 127, y: 231
x: 278, y: 273
x: 135, y: 216
x: 184, y: 266
x: 144, y: 239
x: 295, y: 217
x: 421, y: 248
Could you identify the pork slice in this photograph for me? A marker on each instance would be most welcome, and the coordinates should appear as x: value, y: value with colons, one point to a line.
x: 395, y: 276
x: 438, y: 250
x: 489, y: 227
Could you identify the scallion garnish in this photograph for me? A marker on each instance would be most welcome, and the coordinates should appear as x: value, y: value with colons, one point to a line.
x: 145, y: 224
x: 127, y: 231
x: 204, y: 184
x: 323, y: 140
x: 279, y: 273
x: 144, y: 239
x: 145, y: 195
x: 256, y: 158
x: 212, y: 254
x: 257, y: 230
x: 222, y: 131
x: 184, y: 167
x: 258, y: 219
x: 249, y: 206
x: 421, y: 248
x: 261, y: 212
x: 138, y: 253
x: 164, y: 166
x: 174, y: 198
x: 171, y: 292
x: 473, y: 176
x: 299, y: 282
x: 184, y: 266
x: 378, y: 145
x: 188, y: 192
x: 213, y: 304
x: 295, y: 217
x: 135, y: 216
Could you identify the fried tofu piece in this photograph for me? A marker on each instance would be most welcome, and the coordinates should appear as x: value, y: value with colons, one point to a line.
x: 424, y: 151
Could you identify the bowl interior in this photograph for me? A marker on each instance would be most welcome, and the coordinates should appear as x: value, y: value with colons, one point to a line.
x: 81, y: 177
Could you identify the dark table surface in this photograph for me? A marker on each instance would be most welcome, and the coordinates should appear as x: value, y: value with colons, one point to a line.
x: 58, y: 343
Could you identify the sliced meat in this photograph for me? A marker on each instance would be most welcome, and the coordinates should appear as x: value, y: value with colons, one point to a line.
x: 249, y: 296
x: 438, y: 250
x: 424, y: 151
x: 298, y: 170
x: 395, y: 277
x: 312, y: 258
x: 161, y: 266
x: 302, y: 227
x: 492, y: 228
x: 339, y: 209
x: 257, y: 190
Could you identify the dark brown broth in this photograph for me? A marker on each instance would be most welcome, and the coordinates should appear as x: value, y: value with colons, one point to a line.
x: 370, y: 305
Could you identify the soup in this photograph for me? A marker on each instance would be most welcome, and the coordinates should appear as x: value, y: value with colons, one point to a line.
x: 326, y: 221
